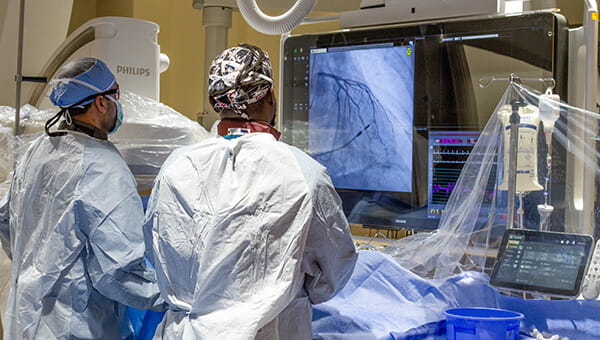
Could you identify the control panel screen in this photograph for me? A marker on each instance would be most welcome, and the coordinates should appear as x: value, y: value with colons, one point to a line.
x: 546, y: 262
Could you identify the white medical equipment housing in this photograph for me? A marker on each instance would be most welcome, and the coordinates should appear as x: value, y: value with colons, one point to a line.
x: 128, y: 46
x: 382, y: 12
x: 150, y: 131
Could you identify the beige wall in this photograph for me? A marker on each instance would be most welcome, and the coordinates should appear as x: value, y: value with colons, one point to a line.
x: 181, y: 38
x: 42, y: 34
x: 572, y: 10
x: 84, y: 10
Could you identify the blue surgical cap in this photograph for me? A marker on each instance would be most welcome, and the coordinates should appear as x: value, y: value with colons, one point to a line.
x: 80, y: 79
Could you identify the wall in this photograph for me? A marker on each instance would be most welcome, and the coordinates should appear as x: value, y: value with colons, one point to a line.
x: 42, y: 34
x: 3, y: 12
x: 181, y: 37
x: 84, y: 10
x: 572, y: 10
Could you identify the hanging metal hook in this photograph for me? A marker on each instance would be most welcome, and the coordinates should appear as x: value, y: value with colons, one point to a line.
x: 514, y: 78
x: 485, y: 81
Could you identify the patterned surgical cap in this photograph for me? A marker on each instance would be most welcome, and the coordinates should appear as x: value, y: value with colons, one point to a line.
x: 239, y: 76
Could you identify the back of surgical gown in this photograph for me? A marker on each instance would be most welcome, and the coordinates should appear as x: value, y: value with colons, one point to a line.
x: 246, y: 234
x: 72, y: 225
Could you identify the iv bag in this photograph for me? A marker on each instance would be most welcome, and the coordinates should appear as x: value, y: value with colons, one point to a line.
x: 527, y: 176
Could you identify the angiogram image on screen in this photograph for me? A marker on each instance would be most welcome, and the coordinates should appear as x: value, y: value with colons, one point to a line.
x: 361, y: 116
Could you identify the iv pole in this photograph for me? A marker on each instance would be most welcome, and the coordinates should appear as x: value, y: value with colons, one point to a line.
x: 514, y: 139
x: 19, y: 77
x: 515, y: 120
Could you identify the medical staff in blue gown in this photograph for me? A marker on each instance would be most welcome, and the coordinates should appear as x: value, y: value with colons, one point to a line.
x: 246, y: 232
x: 72, y: 221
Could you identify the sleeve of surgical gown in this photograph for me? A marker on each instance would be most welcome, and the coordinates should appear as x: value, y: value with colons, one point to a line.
x: 329, y: 255
x: 112, y: 217
x: 4, y: 224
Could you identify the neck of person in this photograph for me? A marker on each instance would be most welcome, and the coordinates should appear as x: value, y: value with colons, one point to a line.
x: 252, y: 125
x: 83, y: 127
x: 89, y: 119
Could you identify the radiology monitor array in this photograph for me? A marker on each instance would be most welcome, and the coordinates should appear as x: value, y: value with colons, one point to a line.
x: 393, y: 113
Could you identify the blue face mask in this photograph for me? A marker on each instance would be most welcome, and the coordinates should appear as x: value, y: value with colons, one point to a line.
x: 119, y: 118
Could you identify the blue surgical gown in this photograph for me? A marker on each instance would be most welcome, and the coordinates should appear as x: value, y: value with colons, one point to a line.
x: 72, y: 223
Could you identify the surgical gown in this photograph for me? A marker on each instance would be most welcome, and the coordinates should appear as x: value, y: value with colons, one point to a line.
x: 246, y: 234
x: 72, y: 223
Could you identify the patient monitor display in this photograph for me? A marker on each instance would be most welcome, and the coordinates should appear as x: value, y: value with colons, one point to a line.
x: 545, y: 262
x: 360, y: 123
x: 394, y: 112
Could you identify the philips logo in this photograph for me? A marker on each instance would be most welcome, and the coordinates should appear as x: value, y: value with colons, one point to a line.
x: 133, y: 71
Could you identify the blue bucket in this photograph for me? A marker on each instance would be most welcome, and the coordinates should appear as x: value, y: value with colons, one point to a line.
x: 482, y: 324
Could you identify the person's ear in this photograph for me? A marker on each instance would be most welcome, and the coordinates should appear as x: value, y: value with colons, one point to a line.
x: 212, y: 101
x: 101, y: 104
x: 270, y: 96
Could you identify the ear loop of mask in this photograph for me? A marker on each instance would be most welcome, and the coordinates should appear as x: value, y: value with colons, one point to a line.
x: 68, y: 118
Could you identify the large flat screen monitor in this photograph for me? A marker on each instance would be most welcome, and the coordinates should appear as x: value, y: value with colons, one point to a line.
x: 393, y: 112
x: 362, y: 114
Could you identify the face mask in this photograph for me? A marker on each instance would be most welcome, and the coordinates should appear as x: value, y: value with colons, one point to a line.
x: 119, y: 118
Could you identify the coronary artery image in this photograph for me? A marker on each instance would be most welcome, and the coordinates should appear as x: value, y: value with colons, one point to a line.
x: 361, y: 116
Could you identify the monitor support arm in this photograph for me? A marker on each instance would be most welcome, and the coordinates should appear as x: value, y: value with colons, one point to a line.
x: 275, y: 25
x: 216, y: 18
x: 583, y: 83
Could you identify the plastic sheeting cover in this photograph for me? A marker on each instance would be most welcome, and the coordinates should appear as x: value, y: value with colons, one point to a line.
x: 32, y: 122
x: 476, y: 213
x: 6, y: 133
x: 150, y: 132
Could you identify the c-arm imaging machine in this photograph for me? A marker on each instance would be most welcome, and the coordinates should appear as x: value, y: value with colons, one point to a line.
x: 128, y: 46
